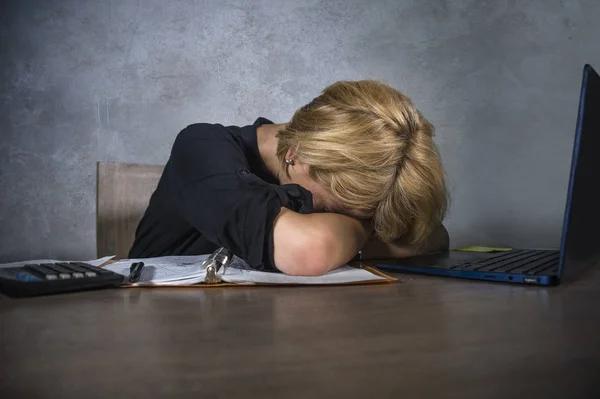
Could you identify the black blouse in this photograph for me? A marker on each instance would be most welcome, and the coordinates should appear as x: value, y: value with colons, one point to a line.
x: 216, y: 191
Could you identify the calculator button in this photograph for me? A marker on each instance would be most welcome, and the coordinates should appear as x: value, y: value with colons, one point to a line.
x: 81, y: 264
x: 71, y: 268
x: 63, y: 272
x: 91, y: 271
x: 56, y: 267
x: 76, y: 271
x: 27, y: 277
x: 48, y: 274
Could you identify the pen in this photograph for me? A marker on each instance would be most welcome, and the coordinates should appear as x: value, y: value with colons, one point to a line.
x: 135, y: 271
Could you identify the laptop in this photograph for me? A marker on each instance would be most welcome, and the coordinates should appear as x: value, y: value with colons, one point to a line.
x: 580, y: 240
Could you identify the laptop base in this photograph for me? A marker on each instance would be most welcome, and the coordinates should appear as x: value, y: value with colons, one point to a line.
x: 536, y: 267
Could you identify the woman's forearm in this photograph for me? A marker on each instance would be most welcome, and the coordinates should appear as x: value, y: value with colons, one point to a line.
x: 316, y: 243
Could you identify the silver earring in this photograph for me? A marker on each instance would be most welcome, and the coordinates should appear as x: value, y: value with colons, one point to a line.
x: 289, y: 161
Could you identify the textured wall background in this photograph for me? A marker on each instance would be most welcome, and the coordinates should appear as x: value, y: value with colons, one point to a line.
x: 83, y: 81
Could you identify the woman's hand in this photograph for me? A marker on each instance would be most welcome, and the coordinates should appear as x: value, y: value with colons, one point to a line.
x: 376, y: 249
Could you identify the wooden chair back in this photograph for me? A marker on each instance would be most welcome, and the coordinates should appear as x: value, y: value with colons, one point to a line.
x: 122, y: 195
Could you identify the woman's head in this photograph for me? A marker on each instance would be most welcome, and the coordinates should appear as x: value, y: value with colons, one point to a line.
x: 367, y: 146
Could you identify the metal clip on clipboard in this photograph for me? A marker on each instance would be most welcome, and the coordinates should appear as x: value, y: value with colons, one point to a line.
x: 219, y: 259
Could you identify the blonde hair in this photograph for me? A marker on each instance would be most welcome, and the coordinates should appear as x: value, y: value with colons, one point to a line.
x: 368, y: 145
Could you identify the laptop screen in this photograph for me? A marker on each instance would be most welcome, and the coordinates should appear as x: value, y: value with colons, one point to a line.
x: 580, y: 240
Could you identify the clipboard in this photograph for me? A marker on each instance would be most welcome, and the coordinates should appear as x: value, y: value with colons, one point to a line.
x: 386, y: 280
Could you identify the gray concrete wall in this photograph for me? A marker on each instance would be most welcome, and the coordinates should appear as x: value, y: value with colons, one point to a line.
x: 115, y: 80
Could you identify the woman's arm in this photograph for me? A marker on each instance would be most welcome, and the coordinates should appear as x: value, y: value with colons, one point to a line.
x: 313, y: 244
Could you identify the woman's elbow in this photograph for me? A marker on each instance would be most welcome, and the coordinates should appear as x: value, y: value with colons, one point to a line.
x: 307, y: 258
x: 317, y: 264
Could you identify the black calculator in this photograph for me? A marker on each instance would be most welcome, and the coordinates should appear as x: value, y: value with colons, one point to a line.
x: 55, y: 278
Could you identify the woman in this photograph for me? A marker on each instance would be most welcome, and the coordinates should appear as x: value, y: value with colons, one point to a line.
x: 354, y: 171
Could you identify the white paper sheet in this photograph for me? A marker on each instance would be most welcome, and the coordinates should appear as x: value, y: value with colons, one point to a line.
x: 182, y: 270
x: 344, y: 274
x: 95, y: 262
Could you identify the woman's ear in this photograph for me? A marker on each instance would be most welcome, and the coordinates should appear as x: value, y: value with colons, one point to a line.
x: 289, y: 154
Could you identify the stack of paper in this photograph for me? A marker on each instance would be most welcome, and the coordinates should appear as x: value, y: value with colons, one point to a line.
x: 178, y: 270
x: 187, y: 270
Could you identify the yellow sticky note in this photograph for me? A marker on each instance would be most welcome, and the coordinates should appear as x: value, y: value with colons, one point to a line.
x: 476, y: 248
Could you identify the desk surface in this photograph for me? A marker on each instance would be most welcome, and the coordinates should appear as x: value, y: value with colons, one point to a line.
x: 424, y: 337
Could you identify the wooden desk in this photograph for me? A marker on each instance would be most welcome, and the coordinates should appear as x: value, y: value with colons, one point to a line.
x: 427, y: 337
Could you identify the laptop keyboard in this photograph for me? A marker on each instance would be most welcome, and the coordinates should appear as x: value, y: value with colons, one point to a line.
x: 518, y: 262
